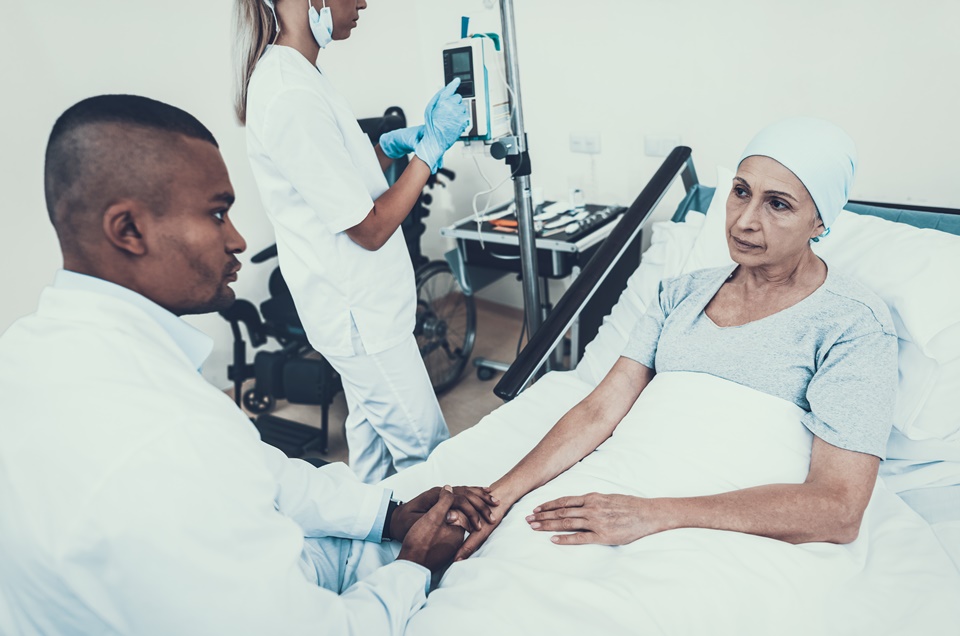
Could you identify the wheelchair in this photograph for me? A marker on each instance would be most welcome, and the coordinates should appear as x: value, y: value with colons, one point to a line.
x: 445, y: 330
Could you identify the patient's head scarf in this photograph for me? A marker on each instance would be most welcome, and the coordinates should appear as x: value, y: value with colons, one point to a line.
x: 819, y: 153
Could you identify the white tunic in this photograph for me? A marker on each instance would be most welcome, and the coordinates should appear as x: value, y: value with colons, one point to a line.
x: 136, y: 498
x: 318, y: 176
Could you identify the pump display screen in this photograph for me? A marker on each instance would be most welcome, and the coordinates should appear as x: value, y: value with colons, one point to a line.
x: 459, y: 63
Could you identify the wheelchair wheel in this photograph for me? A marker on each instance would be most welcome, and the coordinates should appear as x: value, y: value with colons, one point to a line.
x: 446, y: 324
x: 257, y: 402
x: 485, y: 374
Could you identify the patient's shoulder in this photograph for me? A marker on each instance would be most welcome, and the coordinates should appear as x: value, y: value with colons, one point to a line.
x: 695, y: 280
x: 861, y: 308
x: 675, y: 290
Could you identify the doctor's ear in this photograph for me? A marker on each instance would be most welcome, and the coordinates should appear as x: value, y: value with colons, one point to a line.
x: 123, y: 224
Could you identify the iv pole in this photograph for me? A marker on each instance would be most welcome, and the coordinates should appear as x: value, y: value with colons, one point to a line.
x: 514, y: 150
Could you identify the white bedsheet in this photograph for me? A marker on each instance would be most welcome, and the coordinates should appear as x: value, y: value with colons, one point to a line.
x: 688, y: 434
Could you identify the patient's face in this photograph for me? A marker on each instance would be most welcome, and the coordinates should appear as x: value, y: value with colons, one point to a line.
x: 193, y: 244
x: 770, y: 215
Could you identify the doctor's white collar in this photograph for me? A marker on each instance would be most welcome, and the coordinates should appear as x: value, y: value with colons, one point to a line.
x: 195, y: 344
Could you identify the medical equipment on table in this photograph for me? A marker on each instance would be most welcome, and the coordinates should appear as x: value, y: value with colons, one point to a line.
x: 498, y: 213
x: 551, y: 211
x: 559, y: 255
x: 589, y: 220
x: 477, y: 62
x: 575, y: 215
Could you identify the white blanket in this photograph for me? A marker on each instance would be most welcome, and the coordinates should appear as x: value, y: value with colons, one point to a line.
x: 688, y: 434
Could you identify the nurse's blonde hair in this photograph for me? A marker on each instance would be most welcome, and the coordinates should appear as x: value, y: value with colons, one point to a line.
x: 256, y: 29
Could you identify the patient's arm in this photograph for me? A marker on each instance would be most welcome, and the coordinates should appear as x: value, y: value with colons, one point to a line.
x: 573, y: 437
x: 828, y: 506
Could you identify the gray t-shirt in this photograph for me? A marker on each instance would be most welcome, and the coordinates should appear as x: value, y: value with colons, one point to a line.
x: 833, y: 354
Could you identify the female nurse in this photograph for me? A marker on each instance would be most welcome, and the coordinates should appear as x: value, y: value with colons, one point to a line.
x: 337, y: 221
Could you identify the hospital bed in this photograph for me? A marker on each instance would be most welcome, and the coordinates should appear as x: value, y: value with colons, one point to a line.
x: 902, y: 574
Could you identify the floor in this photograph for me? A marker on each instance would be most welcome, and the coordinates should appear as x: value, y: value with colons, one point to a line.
x: 498, y: 328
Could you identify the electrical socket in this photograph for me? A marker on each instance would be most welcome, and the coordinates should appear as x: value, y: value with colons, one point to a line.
x: 660, y: 145
x: 586, y: 143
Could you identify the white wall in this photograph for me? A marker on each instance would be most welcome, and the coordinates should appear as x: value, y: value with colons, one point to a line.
x: 711, y: 73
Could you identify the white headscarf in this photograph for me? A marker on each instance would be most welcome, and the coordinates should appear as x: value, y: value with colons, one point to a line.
x: 819, y: 153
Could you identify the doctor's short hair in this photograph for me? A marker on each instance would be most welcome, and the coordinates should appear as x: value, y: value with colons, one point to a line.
x: 113, y: 146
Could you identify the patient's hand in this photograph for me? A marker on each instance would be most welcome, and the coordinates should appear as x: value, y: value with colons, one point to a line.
x: 470, y: 508
x: 596, y: 518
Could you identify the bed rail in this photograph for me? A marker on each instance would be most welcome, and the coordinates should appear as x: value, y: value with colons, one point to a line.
x: 553, y: 329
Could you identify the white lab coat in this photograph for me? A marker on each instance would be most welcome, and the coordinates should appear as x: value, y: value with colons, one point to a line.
x: 136, y: 498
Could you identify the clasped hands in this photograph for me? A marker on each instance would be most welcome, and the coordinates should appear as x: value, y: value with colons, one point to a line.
x: 432, y: 524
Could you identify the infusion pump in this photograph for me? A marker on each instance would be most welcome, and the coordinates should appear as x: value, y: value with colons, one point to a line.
x: 478, y: 62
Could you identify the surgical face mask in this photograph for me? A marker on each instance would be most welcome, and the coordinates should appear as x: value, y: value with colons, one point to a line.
x: 321, y: 24
x: 276, y: 22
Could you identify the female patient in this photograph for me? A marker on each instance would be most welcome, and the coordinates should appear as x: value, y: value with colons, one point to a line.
x: 778, y: 321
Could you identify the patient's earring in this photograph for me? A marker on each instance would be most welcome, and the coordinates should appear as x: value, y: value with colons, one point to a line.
x: 816, y: 239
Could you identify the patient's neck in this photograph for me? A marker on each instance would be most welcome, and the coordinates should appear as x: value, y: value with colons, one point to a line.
x: 806, y: 272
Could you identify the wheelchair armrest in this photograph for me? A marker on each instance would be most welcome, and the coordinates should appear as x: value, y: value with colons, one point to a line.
x: 265, y: 254
x: 243, y: 311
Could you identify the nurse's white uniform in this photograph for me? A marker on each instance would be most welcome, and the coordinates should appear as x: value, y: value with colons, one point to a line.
x: 318, y: 176
x: 136, y: 498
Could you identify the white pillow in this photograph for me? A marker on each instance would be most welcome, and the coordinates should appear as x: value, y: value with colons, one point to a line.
x: 885, y: 257
x: 904, y: 265
x: 670, y: 245
x: 939, y: 416
x: 909, y: 268
x: 710, y: 248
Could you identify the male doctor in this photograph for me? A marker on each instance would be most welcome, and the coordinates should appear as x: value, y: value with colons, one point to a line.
x: 134, y: 496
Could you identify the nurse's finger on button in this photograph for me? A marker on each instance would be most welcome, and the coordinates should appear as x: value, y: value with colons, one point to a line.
x: 451, y: 88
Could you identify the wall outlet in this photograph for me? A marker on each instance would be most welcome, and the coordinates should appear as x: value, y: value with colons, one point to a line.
x: 660, y: 145
x: 587, y: 143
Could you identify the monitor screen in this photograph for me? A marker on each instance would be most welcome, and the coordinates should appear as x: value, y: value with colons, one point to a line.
x: 458, y: 63
x: 461, y: 64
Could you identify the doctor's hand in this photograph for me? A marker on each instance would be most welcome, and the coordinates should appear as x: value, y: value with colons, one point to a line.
x: 596, y: 518
x: 431, y: 541
x: 401, y: 142
x: 445, y: 120
x: 471, y: 507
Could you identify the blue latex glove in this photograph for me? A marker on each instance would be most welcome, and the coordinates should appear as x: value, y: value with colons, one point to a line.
x: 445, y: 120
x: 401, y: 142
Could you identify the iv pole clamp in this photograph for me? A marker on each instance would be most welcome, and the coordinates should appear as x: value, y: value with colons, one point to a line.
x: 514, y: 151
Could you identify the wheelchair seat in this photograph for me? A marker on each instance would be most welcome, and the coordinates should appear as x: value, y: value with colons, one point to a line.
x: 295, y: 372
